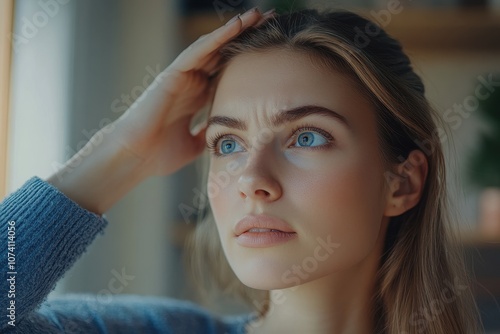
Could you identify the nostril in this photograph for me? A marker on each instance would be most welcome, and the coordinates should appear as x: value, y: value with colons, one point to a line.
x: 257, y: 193
x: 259, y: 188
x: 260, y: 192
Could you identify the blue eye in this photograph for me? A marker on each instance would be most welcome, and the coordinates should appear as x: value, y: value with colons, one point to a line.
x: 228, y: 146
x: 310, y: 139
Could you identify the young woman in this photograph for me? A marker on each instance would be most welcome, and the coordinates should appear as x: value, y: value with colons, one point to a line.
x: 333, y: 206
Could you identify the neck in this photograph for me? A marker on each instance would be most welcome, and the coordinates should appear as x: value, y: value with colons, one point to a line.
x: 340, y: 303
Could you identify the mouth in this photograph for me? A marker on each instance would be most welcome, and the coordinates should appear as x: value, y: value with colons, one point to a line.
x: 263, y: 231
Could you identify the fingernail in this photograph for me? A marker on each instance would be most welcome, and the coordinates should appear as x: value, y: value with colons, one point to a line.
x: 252, y: 10
x: 269, y: 12
x: 234, y: 19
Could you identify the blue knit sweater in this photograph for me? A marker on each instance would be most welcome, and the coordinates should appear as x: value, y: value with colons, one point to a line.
x: 42, y: 233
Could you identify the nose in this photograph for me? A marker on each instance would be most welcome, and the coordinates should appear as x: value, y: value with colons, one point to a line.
x: 258, y: 183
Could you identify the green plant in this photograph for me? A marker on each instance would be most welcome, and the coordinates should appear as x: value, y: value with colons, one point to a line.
x: 484, y: 164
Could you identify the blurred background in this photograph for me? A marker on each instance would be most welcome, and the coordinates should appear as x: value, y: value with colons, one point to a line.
x: 69, y: 67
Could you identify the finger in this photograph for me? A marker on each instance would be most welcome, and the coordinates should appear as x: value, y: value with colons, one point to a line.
x: 194, y: 54
x: 191, y: 57
x: 213, y: 65
x: 208, y: 62
x: 198, y: 128
x: 198, y: 143
x: 266, y: 16
x: 250, y: 18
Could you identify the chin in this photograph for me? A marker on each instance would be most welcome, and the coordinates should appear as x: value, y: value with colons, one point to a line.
x: 262, y: 275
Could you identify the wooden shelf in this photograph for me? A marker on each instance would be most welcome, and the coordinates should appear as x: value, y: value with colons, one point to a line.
x: 469, y: 238
x: 449, y: 30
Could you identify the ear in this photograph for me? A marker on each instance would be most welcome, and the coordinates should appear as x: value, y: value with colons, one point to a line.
x: 406, y: 187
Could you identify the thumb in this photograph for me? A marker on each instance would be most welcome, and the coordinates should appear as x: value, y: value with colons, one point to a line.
x: 198, y: 137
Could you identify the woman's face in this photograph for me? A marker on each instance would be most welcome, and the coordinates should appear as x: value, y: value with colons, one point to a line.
x: 318, y: 171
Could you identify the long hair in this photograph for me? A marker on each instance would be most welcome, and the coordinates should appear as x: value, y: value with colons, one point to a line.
x: 422, y: 284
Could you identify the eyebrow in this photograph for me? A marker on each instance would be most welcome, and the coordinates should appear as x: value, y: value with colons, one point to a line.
x: 281, y: 117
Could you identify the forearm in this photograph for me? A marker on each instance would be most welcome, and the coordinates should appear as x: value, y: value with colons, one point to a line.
x: 100, y: 174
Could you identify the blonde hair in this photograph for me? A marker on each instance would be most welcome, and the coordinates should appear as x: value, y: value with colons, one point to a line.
x: 422, y: 282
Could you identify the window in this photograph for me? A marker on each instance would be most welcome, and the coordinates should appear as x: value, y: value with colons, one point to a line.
x: 6, y: 20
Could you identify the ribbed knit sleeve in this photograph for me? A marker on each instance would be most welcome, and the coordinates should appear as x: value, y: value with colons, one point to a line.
x: 42, y: 233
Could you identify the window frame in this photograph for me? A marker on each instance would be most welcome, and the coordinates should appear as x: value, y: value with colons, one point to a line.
x: 6, y: 26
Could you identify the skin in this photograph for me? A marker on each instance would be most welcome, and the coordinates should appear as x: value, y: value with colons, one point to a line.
x: 155, y: 138
x: 144, y: 141
x: 335, y: 191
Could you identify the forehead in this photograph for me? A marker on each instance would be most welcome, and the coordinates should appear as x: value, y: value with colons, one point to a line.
x: 266, y: 82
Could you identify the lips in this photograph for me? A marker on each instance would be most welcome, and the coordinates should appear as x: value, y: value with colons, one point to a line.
x: 263, y: 230
x: 261, y: 224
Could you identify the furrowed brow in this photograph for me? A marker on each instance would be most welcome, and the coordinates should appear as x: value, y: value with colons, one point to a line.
x: 282, y: 117
x: 294, y: 114
x: 228, y: 122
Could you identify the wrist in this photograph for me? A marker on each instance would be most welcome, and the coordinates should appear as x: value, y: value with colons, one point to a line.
x: 99, y: 175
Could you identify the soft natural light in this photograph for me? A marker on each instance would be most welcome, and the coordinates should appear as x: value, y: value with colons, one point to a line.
x: 41, y: 71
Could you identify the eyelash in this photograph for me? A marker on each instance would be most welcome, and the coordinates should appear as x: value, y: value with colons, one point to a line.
x: 214, y: 140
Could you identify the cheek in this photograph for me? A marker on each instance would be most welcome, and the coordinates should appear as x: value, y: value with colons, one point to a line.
x: 328, y: 201
x: 341, y: 200
x: 222, y: 190
x: 223, y: 214
x: 216, y: 198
